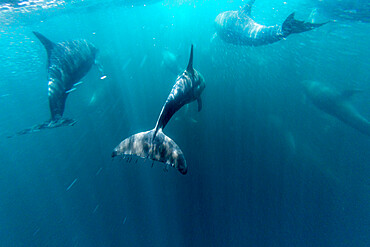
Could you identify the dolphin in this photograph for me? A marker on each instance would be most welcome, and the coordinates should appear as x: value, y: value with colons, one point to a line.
x: 188, y: 88
x: 170, y: 61
x: 68, y: 62
x: 154, y: 144
x: 336, y: 104
x: 237, y: 27
x: 352, y: 10
x: 161, y: 149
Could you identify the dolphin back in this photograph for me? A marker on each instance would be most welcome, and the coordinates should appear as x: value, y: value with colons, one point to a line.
x: 161, y: 149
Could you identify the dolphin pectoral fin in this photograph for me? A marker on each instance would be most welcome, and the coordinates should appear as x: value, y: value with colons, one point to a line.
x: 49, y: 45
x: 347, y: 94
x: 162, y: 149
x: 292, y: 25
x: 199, y: 104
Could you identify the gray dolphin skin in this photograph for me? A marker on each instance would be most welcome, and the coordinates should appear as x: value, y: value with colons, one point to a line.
x: 188, y: 88
x: 68, y: 62
x: 237, y: 27
x: 336, y: 104
x: 161, y: 149
x: 154, y: 144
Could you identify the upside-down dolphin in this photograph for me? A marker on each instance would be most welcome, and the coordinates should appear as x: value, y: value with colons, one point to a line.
x: 336, y: 104
x: 68, y: 63
x: 237, y: 27
x: 154, y: 144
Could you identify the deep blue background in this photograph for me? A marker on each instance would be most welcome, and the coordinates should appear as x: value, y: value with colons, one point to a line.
x: 266, y: 168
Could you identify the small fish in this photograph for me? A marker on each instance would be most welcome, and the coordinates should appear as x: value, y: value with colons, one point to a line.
x: 143, y: 61
x: 71, y: 90
x: 95, y: 209
x: 78, y: 83
x: 103, y: 77
x: 97, y: 173
x: 34, y: 234
x: 69, y: 187
x: 126, y: 64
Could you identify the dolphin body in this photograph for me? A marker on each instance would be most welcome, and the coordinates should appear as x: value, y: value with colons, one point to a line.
x: 352, y: 10
x: 154, y: 144
x: 237, y: 27
x: 68, y: 63
x: 170, y: 61
x: 336, y: 104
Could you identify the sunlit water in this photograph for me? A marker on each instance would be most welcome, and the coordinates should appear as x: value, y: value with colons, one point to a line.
x: 266, y: 167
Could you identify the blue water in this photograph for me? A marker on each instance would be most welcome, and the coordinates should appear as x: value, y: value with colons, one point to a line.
x: 266, y: 167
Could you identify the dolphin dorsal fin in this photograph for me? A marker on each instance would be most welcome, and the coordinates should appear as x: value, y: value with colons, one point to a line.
x: 247, y: 9
x: 190, y: 64
x: 49, y: 45
x: 347, y: 94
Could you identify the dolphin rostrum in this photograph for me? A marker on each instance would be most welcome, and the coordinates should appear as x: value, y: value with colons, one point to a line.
x: 154, y: 144
x: 237, y: 27
x: 68, y: 62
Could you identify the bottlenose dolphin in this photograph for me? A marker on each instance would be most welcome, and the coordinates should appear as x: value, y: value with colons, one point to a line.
x: 154, y: 144
x: 68, y: 63
x: 161, y: 149
x: 237, y: 27
x: 353, y: 10
x: 336, y: 104
x: 170, y: 61
x: 188, y: 88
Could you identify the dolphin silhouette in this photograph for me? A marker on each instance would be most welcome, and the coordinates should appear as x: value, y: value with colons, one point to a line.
x: 237, y: 27
x: 336, y: 104
x: 154, y: 144
x: 68, y: 62
x: 188, y: 88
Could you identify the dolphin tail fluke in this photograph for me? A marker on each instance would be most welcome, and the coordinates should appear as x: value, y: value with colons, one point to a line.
x: 162, y: 149
x: 49, y: 45
x: 292, y: 25
x: 46, y: 125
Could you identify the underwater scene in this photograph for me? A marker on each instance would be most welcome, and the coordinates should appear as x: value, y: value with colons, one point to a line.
x: 184, y: 123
